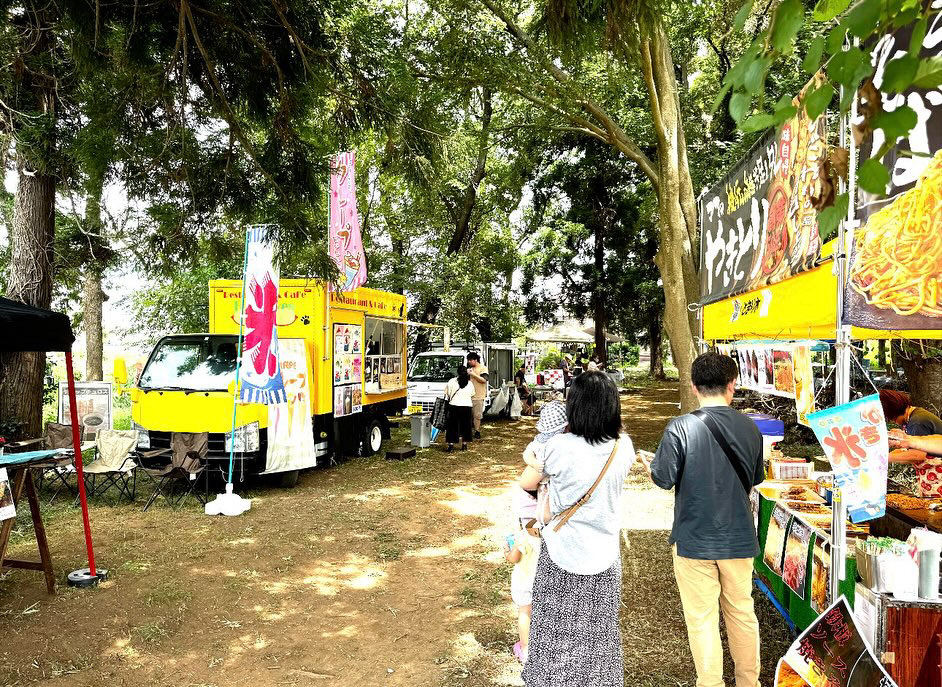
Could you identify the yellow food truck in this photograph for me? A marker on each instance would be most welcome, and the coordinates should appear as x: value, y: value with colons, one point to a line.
x: 344, y: 369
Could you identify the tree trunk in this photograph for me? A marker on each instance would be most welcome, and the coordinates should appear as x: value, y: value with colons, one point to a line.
x: 91, y: 319
x: 655, y: 339
x: 600, y: 312
x: 923, y: 367
x: 676, y: 208
x: 30, y: 282
x: 881, y: 354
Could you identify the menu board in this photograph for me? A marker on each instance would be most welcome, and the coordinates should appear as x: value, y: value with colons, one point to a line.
x: 854, y: 438
x: 775, y: 539
x: 7, y: 507
x: 758, y: 224
x: 832, y: 653
x: 895, y: 274
x: 348, y: 369
x: 796, y: 556
x: 767, y: 369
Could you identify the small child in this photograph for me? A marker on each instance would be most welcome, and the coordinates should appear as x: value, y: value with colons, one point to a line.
x: 523, y: 548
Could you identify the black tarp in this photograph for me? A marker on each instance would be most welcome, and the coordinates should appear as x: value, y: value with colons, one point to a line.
x: 25, y: 328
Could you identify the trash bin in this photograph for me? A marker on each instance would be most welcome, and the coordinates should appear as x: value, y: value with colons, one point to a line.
x: 421, y: 430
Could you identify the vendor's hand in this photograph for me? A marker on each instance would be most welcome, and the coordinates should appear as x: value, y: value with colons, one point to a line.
x: 899, y: 439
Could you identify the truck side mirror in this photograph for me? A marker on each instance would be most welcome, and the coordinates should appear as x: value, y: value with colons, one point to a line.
x: 120, y: 371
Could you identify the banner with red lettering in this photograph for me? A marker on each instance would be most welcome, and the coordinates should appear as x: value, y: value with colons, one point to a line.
x: 345, y: 242
x: 855, y: 440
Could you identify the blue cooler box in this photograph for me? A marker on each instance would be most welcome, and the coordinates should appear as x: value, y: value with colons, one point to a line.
x: 768, y: 425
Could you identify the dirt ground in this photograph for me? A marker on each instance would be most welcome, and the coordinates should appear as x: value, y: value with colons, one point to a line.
x: 372, y: 572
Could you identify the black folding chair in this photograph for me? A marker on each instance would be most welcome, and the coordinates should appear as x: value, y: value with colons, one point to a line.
x: 179, y: 479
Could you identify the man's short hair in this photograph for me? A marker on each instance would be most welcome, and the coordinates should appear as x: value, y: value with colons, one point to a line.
x: 711, y: 373
x: 474, y: 356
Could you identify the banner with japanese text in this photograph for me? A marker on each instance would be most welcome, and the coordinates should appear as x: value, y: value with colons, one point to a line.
x: 758, y: 225
x: 259, y: 371
x: 895, y: 275
x: 854, y: 438
x: 290, y: 425
x: 832, y: 653
x: 344, y: 241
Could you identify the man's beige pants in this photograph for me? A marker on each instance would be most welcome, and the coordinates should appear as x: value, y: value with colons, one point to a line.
x: 477, y: 412
x: 705, y: 587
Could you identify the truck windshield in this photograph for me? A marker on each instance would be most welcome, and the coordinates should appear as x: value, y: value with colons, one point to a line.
x: 206, y: 363
x: 434, y: 368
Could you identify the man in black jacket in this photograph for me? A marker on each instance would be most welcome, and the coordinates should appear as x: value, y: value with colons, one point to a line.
x: 713, y: 458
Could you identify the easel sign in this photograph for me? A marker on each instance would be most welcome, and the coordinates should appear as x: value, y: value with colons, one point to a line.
x: 93, y: 405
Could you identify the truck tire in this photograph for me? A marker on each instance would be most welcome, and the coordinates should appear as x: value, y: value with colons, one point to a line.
x: 289, y: 479
x: 372, y: 438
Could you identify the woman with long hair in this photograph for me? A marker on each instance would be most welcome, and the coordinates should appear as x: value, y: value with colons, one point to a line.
x: 459, y: 393
x: 575, y: 638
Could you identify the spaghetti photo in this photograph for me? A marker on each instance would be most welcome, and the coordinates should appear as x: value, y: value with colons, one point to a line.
x: 898, y: 254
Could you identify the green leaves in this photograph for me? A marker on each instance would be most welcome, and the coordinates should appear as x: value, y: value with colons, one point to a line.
x: 817, y: 101
x: 757, y: 122
x: 918, y: 36
x: 873, y: 176
x: 826, y: 10
x: 897, y: 123
x: 813, y: 57
x: 899, y: 74
x: 929, y: 73
x: 829, y: 218
x: 742, y: 15
x: 863, y: 18
x: 739, y: 106
x: 789, y: 16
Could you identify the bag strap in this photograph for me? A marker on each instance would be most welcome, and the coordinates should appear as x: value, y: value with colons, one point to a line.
x: 714, y: 428
x: 569, y: 512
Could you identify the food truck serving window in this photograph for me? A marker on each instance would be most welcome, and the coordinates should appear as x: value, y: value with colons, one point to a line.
x: 383, y: 370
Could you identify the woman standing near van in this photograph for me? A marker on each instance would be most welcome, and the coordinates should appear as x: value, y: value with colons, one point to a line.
x: 459, y: 394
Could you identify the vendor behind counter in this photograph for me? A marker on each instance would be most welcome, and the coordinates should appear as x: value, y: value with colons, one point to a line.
x: 917, y: 422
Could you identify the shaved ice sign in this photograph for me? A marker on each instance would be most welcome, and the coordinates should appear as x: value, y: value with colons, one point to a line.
x: 854, y: 438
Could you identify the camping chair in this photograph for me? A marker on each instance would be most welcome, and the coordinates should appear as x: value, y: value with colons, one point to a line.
x: 57, y: 470
x: 187, y: 464
x: 114, y: 466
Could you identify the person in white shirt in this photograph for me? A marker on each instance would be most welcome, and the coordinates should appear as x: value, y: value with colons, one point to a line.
x: 459, y: 393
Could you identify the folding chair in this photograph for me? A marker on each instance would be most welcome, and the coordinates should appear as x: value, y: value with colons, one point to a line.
x: 114, y: 466
x: 56, y: 472
x: 187, y: 465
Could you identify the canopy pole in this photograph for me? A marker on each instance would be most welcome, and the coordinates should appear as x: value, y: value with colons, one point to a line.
x: 90, y: 576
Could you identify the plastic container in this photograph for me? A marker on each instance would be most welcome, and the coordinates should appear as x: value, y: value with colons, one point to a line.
x: 421, y: 430
x: 929, y: 574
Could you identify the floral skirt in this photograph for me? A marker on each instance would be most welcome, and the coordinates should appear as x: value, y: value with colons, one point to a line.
x: 575, y: 635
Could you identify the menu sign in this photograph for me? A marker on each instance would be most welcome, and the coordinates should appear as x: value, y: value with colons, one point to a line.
x: 796, y: 556
x: 775, y: 539
x: 93, y: 405
x: 832, y: 653
x: 854, y: 438
x: 758, y: 225
x: 348, y: 369
x: 7, y: 507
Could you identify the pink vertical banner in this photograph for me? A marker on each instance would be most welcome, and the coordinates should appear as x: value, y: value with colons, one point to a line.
x: 346, y: 244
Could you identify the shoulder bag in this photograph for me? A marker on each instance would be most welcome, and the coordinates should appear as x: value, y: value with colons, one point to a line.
x: 717, y: 433
x: 545, y: 516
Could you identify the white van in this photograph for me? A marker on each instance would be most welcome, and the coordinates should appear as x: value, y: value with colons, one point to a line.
x: 429, y: 372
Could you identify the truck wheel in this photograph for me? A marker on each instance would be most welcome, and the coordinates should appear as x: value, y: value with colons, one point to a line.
x: 289, y: 479
x: 372, y: 438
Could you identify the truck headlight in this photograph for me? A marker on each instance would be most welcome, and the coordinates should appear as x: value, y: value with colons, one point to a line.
x: 246, y: 439
x: 143, y: 436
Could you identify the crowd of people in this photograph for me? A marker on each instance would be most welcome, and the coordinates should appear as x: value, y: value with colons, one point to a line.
x: 566, y: 581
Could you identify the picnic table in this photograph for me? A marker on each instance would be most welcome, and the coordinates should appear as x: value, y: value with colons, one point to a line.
x: 18, y: 466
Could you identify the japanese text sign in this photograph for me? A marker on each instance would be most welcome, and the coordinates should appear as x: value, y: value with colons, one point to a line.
x: 758, y: 225
x: 854, y: 438
x: 833, y: 653
x: 345, y: 241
